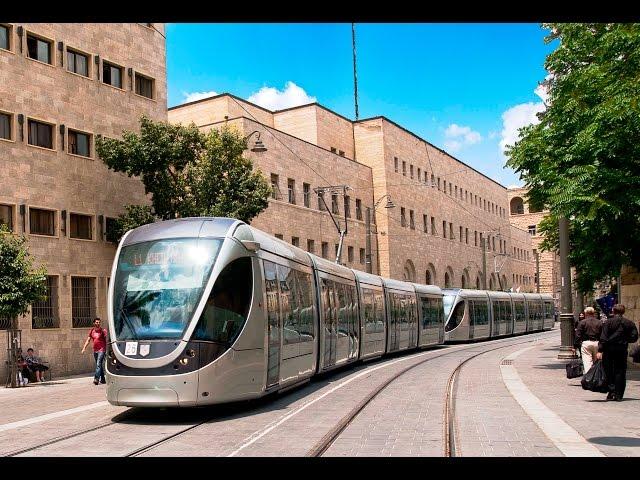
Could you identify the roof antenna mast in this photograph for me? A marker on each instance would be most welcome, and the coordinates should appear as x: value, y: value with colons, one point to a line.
x: 355, y: 77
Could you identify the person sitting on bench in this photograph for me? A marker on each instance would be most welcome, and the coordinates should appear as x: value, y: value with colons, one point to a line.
x: 34, y: 364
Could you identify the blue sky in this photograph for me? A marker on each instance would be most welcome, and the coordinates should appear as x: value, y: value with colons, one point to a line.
x: 463, y: 87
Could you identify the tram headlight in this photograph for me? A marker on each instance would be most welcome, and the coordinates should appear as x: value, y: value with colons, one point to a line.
x: 191, y: 353
x: 184, y: 361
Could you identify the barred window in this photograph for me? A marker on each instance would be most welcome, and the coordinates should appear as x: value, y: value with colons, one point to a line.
x: 347, y: 206
x: 291, y: 189
x: 334, y: 204
x: 83, y: 301
x: 358, y: 209
x: 306, y: 189
x: 44, y: 314
x: 5, y: 323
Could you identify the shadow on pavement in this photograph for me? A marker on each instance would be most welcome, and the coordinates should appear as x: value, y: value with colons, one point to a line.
x: 551, y: 366
x: 616, y: 441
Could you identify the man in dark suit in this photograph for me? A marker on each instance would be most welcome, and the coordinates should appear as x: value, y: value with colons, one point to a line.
x: 617, y: 333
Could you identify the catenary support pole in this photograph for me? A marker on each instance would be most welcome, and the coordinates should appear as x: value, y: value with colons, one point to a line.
x: 566, y: 315
x: 484, y: 263
x: 367, y: 255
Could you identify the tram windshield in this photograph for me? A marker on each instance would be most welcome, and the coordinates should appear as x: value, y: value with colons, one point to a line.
x: 158, y: 285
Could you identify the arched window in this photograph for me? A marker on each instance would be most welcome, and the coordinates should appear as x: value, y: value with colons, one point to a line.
x: 517, y: 206
x: 491, y: 283
x: 427, y: 278
x: 447, y: 280
x: 463, y: 282
x: 409, y: 271
x: 477, y: 283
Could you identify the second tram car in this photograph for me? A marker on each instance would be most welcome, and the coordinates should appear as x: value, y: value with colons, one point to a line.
x: 211, y: 310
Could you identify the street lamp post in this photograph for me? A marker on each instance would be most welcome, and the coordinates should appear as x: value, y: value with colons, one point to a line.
x: 566, y: 316
x: 389, y: 204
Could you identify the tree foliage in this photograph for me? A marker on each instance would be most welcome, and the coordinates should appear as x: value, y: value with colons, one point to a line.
x: 189, y: 173
x: 582, y: 160
x: 20, y: 284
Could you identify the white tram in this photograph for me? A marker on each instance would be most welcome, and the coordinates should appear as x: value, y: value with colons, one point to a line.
x: 211, y: 310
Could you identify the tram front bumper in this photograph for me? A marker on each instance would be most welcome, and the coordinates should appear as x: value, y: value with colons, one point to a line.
x: 175, y: 391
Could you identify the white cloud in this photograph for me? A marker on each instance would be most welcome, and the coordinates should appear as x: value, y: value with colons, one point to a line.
x: 452, y: 145
x: 192, y: 97
x: 459, y: 136
x: 518, y: 117
x: 514, y: 186
x: 274, y: 99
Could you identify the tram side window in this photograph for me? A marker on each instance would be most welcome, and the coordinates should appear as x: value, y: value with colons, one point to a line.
x: 289, y: 304
x: 456, y: 316
x: 378, y: 300
x: 519, y: 311
x: 368, y: 313
x: 307, y: 308
x: 343, y: 312
x: 227, y: 307
x: 480, y: 312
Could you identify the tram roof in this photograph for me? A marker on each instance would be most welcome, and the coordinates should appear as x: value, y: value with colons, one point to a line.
x: 273, y: 245
x: 333, y: 268
x: 398, y: 285
x: 465, y: 292
x: 427, y: 289
x: 192, y: 227
x: 368, y: 278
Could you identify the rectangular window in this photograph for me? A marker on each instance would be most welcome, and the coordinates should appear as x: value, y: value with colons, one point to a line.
x: 291, y: 189
x: 77, y: 63
x: 295, y: 241
x: 412, y: 221
x: 425, y: 220
x: 110, y: 230
x: 5, y: 36
x: 358, y: 209
x: 279, y: 236
x: 362, y: 256
x: 475, y: 238
x: 39, y: 49
x: 419, y: 174
x: 83, y: 301
x: 404, y: 168
x: 347, y: 206
x: 111, y: 74
x: 40, y: 134
x: 5, y: 126
x: 306, y: 192
x: 532, y: 229
x: 44, y: 313
x: 444, y: 186
x: 395, y: 164
x: 456, y: 190
x: 6, y: 216
x: 438, y: 183
x: 80, y: 226
x: 403, y: 217
x: 275, y: 189
x: 334, y: 204
x: 321, y: 205
x: 411, y: 170
x: 433, y: 226
x: 350, y: 254
x: 79, y: 143
x: 466, y: 236
x: 450, y: 188
x: 42, y: 222
x: 311, y: 246
x: 325, y: 250
x: 444, y: 228
x: 451, y: 229
x: 144, y: 85
x: 460, y: 233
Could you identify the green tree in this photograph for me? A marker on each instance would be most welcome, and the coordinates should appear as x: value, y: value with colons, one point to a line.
x: 20, y: 284
x: 582, y: 160
x: 188, y: 172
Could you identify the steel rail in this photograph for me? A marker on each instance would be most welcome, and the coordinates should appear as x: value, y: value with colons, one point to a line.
x: 327, y: 440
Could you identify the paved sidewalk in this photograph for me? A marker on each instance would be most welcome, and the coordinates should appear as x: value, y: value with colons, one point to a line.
x: 612, y: 427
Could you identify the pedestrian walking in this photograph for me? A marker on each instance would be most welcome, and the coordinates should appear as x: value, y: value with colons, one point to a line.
x: 98, y: 335
x: 617, y: 333
x: 587, y: 336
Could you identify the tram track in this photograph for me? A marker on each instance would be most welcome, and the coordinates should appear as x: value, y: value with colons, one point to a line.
x: 328, y: 439
x: 449, y: 423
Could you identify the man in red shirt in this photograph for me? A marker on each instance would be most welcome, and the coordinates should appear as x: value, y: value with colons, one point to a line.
x: 99, y: 337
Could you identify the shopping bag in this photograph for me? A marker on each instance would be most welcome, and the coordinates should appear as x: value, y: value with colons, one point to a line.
x: 574, y: 368
x: 595, y: 379
x: 635, y: 354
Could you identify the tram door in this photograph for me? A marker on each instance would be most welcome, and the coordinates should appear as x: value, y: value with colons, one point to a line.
x: 274, y: 324
x: 330, y: 321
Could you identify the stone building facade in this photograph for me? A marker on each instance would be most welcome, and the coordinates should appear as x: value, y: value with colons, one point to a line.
x: 444, y: 209
x: 527, y: 219
x: 62, y: 85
